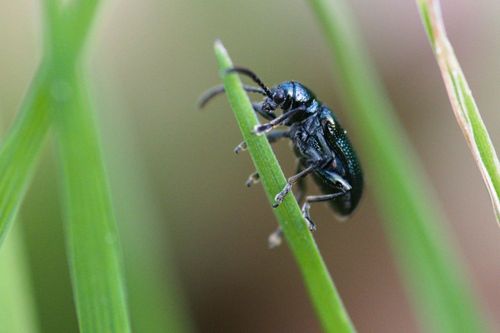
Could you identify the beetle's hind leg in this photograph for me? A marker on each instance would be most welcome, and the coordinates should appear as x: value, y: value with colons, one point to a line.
x: 275, y: 239
x: 301, y: 185
x: 318, y: 198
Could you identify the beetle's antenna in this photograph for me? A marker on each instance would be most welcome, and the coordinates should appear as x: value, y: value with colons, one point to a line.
x: 252, y: 75
x: 217, y: 90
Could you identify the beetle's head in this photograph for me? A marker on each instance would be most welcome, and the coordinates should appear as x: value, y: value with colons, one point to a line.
x: 274, y: 100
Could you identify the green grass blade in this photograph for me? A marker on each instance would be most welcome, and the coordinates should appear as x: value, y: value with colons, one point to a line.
x: 462, y: 102
x: 78, y: 17
x: 51, y: 10
x: 17, y: 305
x: 17, y: 308
x: 322, y: 291
x: 19, y: 152
x: 92, y: 238
x: 435, y: 279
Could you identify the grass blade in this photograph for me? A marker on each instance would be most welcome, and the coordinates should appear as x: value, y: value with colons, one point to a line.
x: 462, y: 102
x: 19, y: 152
x: 322, y: 291
x: 92, y: 237
x: 17, y: 308
x: 433, y: 272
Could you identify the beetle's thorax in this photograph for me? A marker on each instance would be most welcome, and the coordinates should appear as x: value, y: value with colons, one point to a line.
x: 308, y: 139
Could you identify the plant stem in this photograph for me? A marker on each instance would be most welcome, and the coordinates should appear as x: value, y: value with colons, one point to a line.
x: 322, y: 291
x: 92, y: 236
x: 462, y: 102
x: 19, y: 152
x: 17, y: 308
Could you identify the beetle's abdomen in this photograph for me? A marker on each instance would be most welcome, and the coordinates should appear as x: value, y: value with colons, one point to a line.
x: 347, y: 203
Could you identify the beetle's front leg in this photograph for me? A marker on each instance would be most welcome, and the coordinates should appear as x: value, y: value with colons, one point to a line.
x: 263, y: 128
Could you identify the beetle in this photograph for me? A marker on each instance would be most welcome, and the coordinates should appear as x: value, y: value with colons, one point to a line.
x: 319, y: 141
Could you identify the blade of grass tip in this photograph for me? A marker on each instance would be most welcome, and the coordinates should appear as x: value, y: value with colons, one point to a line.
x: 324, y: 296
x: 92, y: 237
x: 17, y: 308
x: 462, y: 102
x: 435, y: 278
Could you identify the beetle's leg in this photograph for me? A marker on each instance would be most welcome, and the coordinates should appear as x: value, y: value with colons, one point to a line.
x: 292, y: 180
x: 301, y: 184
x: 242, y: 146
x: 318, y: 198
x: 275, y: 238
x: 263, y: 128
x: 271, y: 137
x: 252, y: 179
x: 305, y: 213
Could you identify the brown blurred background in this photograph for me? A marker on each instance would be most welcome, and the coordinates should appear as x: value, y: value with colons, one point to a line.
x: 151, y: 59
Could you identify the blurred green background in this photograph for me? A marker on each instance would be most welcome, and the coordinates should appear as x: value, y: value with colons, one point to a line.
x: 150, y: 60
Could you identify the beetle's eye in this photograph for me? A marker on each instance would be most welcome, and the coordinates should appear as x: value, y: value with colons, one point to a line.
x: 279, y: 96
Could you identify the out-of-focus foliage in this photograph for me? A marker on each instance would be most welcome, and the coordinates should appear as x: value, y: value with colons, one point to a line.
x: 148, y: 63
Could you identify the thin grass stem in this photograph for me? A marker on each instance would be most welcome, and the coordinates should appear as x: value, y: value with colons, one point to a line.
x: 463, y: 104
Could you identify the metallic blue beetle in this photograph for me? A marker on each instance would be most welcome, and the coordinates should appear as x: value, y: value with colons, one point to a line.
x: 320, y: 143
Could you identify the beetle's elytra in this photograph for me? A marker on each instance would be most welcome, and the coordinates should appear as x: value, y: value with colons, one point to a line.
x: 320, y: 143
